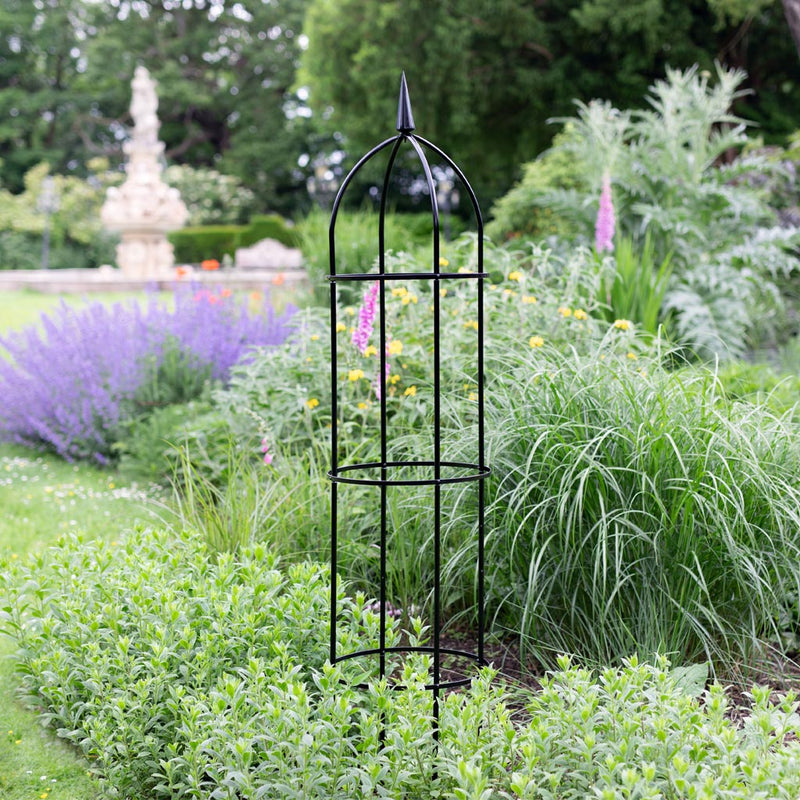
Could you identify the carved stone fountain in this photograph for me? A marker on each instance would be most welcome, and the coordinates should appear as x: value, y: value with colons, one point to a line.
x: 144, y: 208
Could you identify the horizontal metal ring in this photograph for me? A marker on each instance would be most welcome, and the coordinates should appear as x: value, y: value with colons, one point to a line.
x: 478, y: 474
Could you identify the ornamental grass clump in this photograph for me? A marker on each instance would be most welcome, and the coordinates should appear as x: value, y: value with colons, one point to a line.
x: 72, y: 383
x: 635, y: 510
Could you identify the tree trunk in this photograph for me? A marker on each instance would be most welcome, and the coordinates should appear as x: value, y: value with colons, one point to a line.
x: 791, y: 8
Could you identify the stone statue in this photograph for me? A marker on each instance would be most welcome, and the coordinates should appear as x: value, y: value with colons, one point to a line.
x: 144, y: 208
x: 144, y: 105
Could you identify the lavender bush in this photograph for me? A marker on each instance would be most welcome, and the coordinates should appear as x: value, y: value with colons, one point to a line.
x: 71, y: 383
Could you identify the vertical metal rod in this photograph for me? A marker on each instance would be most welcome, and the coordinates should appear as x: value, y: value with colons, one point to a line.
x: 334, y: 443
x: 382, y: 345
x: 481, y: 462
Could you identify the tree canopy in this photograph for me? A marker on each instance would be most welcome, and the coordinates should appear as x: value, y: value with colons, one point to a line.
x: 224, y: 69
x: 485, y: 76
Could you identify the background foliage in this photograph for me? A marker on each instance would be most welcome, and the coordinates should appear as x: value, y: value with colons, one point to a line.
x: 484, y: 79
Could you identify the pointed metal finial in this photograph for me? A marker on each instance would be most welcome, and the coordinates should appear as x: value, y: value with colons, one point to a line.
x: 405, y: 119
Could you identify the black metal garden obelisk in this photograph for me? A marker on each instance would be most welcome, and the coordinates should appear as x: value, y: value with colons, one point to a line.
x: 383, y: 474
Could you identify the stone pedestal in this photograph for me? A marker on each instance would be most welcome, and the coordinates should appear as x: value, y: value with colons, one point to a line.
x: 144, y: 208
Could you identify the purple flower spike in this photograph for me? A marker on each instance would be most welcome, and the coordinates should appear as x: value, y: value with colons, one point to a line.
x: 604, y: 228
x: 366, y: 318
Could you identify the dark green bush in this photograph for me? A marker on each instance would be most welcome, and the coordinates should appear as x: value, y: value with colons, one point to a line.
x: 268, y: 226
x: 20, y: 250
x: 194, y: 245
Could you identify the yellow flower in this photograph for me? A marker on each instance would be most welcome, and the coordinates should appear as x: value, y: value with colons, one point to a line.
x: 473, y: 396
x: 350, y: 311
x: 471, y: 323
x: 411, y: 391
x: 632, y: 356
x: 622, y: 324
x: 464, y: 270
x: 564, y: 311
x: 363, y: 406
x: 580, y: 313
x: 528, y: 299
x: 394, y: 379
x: 516, y: 275
x: 536, y: 341
x: 314, y: 337
x: 395, y: 348
x: 340, y: 327
x: 409, y: 298
x: 509, y: 292
x: 443, y: 262
x: 371, y: 350
x: 355, y: 375
x: 442, y: 292
x: 399, y: 291
x: 312, y: 402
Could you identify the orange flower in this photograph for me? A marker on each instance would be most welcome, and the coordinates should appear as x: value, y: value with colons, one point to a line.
x: 225, y: 292
x: 210, y: 264
x: 181, y: 272
x: 279, y: 279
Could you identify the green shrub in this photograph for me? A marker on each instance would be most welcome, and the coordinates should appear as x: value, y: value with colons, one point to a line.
x: 194, y: 245
x: 211, y: 197
x: 20, y: 250
x: 183, y: 676
x: 268, y: 226
x: 77, y: 236
x: 634, y: 510
x: 524, y: 211
x: 760, y: 383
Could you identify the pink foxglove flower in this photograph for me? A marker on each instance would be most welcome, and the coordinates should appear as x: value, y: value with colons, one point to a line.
x: 604, y: 228
x: 366, y: 318
x: 265, y: 450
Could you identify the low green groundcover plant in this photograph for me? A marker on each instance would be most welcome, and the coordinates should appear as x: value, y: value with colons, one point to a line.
x: 181, y: 675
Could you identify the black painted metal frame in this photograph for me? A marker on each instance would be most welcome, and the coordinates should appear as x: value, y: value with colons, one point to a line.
x: 440, y: 472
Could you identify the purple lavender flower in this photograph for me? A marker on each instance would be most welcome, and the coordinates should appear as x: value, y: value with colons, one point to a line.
x: 71, y: 383
x: 604, y: 227
x: 366, y: 318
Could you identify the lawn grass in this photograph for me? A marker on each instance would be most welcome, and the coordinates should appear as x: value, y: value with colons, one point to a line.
x: 42, y: 497
x: 21, y: 308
